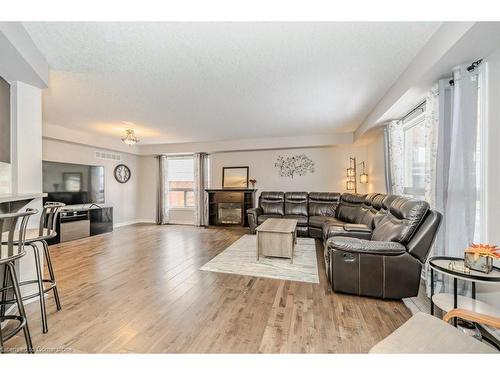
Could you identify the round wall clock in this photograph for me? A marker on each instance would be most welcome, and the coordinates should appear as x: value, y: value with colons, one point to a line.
x: 122, y: 173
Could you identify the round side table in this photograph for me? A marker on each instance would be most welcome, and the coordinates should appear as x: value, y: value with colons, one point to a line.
x: 449, y: 301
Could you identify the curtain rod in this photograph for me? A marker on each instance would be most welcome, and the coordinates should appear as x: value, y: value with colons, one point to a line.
x: 470, y: 68
x: 412, y: 111
x: 474, y: 65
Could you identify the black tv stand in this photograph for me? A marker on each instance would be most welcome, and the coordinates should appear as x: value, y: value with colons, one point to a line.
x: 81, y: 222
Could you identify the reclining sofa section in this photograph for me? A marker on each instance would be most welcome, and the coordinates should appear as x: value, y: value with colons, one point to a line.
x: 374, y: 245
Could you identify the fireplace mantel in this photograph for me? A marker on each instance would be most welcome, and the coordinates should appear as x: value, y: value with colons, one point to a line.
x: 232, y: 189
x: 231, y: 200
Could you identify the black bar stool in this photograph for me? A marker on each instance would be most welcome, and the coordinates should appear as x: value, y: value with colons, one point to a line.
x: 10, y: 251
x: 45, y: 231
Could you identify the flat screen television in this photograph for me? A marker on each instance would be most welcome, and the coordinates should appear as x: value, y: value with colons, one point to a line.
x: 73, y: 183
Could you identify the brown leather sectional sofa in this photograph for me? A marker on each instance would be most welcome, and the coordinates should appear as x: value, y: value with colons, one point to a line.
x: 374, y: 245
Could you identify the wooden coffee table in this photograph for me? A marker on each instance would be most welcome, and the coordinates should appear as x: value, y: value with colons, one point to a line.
x: 276, y: 238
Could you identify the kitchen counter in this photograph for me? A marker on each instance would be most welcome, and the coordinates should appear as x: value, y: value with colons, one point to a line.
x: 13, y: 197
x: 13, y: 202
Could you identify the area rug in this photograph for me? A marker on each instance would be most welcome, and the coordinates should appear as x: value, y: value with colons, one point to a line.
x: 240, y: 259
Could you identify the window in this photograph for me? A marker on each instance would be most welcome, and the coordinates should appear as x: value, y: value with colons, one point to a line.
x: 180, y: 176
x: 415, y: 153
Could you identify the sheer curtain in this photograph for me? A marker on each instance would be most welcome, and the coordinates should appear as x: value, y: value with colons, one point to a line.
x: 200, y: 184
x: 450, y: 181
x: 394, y: 135
x: 461, y: 193
x: 455, y: 188
x: 394, y: 141
x: 162, y: 201
x: 432, y: 137
x: 431, y: 126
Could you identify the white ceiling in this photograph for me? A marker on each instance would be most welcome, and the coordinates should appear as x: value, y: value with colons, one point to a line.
x: 192, y: 82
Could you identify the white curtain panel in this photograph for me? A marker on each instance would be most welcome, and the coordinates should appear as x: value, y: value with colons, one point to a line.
x: 431, y: 139
x: 455, y: 179
x: 446, y: 94
x: 162, y: 211
x: 200, y: 184
x: 461, y: 195
x: 395, y: 169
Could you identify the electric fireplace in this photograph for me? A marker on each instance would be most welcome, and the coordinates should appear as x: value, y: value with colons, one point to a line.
x: 229, y: 206
x: 229, y: 213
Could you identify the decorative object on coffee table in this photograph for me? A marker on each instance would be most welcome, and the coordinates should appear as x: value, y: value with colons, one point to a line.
x: 479, y: 257
x: 235, y: 177
x: 294, y: 165
x: 277, y: 238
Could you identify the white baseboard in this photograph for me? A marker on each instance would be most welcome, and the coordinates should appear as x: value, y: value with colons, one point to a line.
x: 132, y: 222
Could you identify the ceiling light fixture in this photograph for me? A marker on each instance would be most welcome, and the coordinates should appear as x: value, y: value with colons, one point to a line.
x: 130, y: 137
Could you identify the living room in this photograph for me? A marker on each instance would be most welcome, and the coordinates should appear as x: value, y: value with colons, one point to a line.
x: 249, y: 187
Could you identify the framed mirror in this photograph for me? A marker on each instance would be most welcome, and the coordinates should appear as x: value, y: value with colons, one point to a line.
x: 72, y: 181
x: 235, y: 177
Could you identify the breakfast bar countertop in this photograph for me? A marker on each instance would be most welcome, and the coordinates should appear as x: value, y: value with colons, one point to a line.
x: 13, y: 197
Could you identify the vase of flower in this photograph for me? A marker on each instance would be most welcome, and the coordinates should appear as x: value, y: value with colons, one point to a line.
x: 253, y: 181
x: 479, y: 257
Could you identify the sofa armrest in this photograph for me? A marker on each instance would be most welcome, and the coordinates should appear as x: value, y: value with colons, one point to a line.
x: 253, y: 214
x: 356, y: 245
x: 357, y: 228
x: 255, y: 211
x: 340, y: 231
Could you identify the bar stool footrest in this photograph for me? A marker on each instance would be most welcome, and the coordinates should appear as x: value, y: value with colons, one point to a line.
x: 52, y: 283
x: 15, y: 331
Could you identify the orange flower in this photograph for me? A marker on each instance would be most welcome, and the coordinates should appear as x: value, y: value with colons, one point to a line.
x: 483, y: 250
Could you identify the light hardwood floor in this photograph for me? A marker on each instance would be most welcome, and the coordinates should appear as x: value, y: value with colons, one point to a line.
x: 139, y: 289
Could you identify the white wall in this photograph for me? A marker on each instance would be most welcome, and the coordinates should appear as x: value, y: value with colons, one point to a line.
x: 492, y: 293
x: 266, y: 143
x: 123, y: 197
x: 25, y: 68
x: 493, y: 151
x: 330, y: 165
x: 147, y: 188
x: 376, y: 164
x: 135, y: 201
x: 21, y: 59
x: 147, y: 195
x: 452, y: 44
x: 26, y: 165
x: 26, y: 138
x: 330, y: 169
x: 5, y: 178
